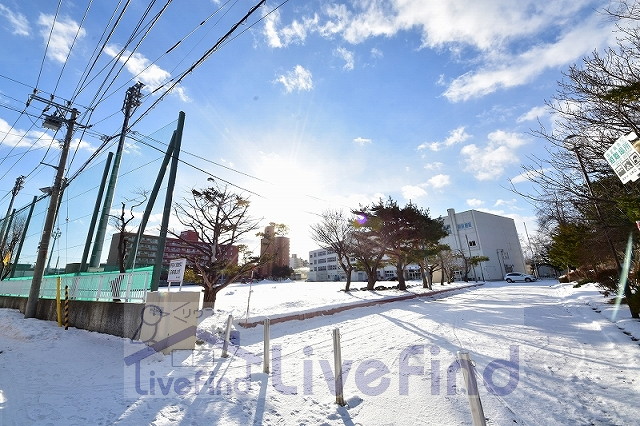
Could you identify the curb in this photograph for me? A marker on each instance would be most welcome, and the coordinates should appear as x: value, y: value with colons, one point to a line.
x: 338, y: 309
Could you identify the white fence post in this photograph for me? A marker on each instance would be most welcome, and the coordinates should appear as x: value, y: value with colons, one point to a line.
x: 127, y: 293
x: 267, y: 344
x: 227, y: 334
x: 337, y: 362
x: 477, y: 414
x: 99, y: 286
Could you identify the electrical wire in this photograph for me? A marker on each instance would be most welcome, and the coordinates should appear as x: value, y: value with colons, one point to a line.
x: 196, y: 156
x: 175, y: 81
x: 46, y: 49
x: 206, y: 172
x: 73, y: 43
x: 99, y: 49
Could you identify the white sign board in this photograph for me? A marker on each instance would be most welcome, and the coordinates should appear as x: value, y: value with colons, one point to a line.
x: 176, y: 270
x: 624, y: 159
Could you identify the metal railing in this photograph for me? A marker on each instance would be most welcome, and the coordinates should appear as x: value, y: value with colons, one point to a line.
x: 95, y: 286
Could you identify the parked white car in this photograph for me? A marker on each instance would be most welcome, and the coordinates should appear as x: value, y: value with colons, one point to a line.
x: 518, y: 276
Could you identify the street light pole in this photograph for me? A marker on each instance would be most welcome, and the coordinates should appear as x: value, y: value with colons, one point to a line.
x: 56, y: 190
x: 575, y: 148
x: 56, y: 234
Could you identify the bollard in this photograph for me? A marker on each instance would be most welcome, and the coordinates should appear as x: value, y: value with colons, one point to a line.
x: 267, y: 324
x: 66, y: 307
x: 227, y: 334
x: 477, y: 414
x: 337, y: 362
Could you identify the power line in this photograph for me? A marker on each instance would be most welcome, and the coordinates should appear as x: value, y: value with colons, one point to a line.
x: 196, y: 156
x: 205, y: 172
x: 99, y: 49
x: 46, y: 49
x: 73, y: 43
x: 199, y: 62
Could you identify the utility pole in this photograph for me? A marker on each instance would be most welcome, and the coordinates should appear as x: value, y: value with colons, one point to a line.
x: 54, y: 121
x: 5, y: 231
x: 131, y: 100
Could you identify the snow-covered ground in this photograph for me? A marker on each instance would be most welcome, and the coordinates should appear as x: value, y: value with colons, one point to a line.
x: 544, y: 353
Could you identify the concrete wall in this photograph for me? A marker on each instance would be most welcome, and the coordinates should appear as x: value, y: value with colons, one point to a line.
x: 117, y: 319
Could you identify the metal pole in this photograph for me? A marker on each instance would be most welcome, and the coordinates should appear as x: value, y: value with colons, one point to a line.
x: 56, y: 234
x: 43, y: 248
x: 533, y: 254
x: 337, y: 363
x: 267, y: 346
x: 597, y: 208
x: 133, y: 250
x: 5, y: 224
x: 477, y: 414
x: 96, y: 211
x: 167, y: 203
x: 58, y: 305
x: 227, y: 335
x: 24, y: 235
x: 132, y: 99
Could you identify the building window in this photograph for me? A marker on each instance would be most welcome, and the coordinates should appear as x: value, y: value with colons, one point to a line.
x: 472, y: 243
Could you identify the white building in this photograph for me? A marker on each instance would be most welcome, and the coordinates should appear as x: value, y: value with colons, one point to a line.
x: 324, y: 266
x: 473, y: 232
x: 477, y: 233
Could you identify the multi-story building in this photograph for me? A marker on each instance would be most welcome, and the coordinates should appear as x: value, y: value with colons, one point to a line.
x: 276, y: 249
x: 324, y: 266
x: 297, y: 262
x: 174, y: 248
x: 477, y: 233
x: 472, y: 232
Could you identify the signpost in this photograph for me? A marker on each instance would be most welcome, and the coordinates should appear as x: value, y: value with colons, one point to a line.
x: 176, y: 272
x: 624, y: 159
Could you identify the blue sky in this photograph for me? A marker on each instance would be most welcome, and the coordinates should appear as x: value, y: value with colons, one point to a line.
x: 310, y: 105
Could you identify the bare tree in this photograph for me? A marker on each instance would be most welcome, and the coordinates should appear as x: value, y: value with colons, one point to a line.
x: 121, y: 223
x: 221, y: 220
x: 335, y: 232
x: 597, y: 101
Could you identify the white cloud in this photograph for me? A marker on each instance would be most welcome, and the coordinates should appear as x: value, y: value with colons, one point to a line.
x: 18, y: 21
x: 436, y: 165
x: 500, y: 202
x: 270, y: 29
x: 61, y: 39
x: 504, y: 35
x: 474, y: 202
x: 34, y: 139
x: 507, y: 70
x: 528, y: 175
x: 411, y: 192
x: 362, y: 141
x: 533, y: 114
x: 490, y: 162
x: 297, y: 79
x: 348, y: 57
x: 376, y: 53
x: 439, y: 181
x: 455, y: 136
x: 294, y: 33
x: 21, y: 138
x: 151, y: 75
